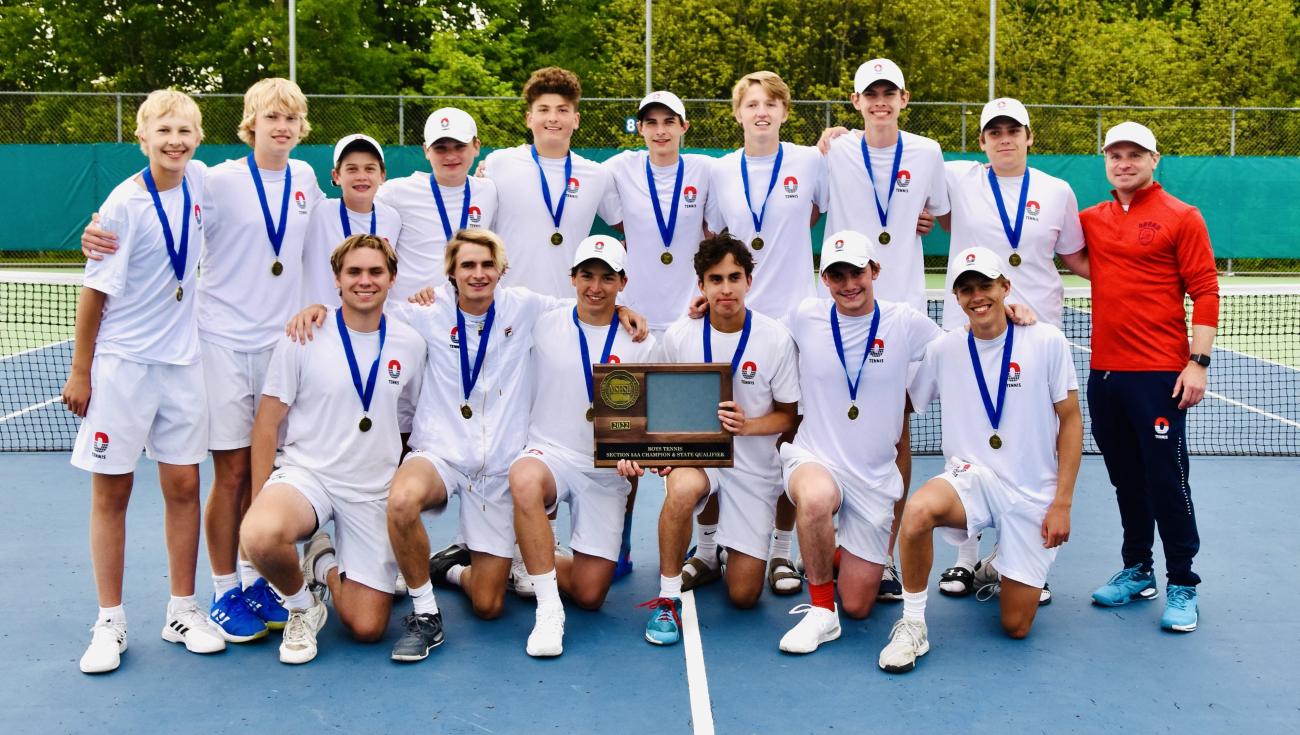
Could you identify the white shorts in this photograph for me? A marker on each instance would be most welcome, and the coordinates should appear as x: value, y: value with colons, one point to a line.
x: 597, y: 498
x: 487, y: 514
x: 234, y: 381
x: 133, y: 405
x: 746, y: 509
x: 991, y: 503
x: 361, y: 544
x: 865, y: 516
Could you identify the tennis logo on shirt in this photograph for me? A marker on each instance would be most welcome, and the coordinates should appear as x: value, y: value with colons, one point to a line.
x: 475, y: 215
x: 394, y: 371
x: 1162, y: 428
x: 748, y: 371
x: 877, y: 351
x: 198, y: 215
x: 301, y: 200
x: 573, y: 187
x: 689, y: 195
x: 791, y: 186
x: 613, y: 360
x: 455, y: 338
x: 903, y: 180
x: 100, y: 446
x: 960, y: 468
x: 1013, y: 375
x: 1032, y: 208
x: 509, y: 331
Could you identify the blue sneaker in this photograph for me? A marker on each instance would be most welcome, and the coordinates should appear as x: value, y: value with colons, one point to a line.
x: 237, y: 621
x: 623, y: 566
x: 1130, y: 584
x: 1180, y: 609
x: 665, y: 625
x: 266, y: 604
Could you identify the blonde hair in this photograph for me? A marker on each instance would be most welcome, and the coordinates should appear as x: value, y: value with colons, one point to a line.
x: 274, y: 93
x: 769, y: 81
x: 475, y: 236
x: 363, y: 241
x: 162, y: 102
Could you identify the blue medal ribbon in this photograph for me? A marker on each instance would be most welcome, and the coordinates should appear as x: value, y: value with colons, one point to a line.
x: 469, y: 377
x: 464, y: 206
x: 744, y: 180
x: 366, y: 392
x: 665, y: 230
x: 586, y: 354
x: 557, y: 213
x: 994, y: 411
x: 839, y: 348
x: 883, y: 212
x: 1013, y: 234
x: 176, y: 255
x: 740, y: 346
x: 347, y: 224
x: 275, y: 233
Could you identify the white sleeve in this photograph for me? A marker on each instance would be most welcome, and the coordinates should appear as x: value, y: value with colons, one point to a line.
x: 822, y: 194
x: 410, y: 396
x: 609, y: 208
x: 785, y: 379
x: 937, y: 198
x: 924, y: 387
x: 922, y: 331
x: 713, y: 218
x: 108, y: 275
x: 284, y: 372
x: 1071, y: 238
x: 1062, y: 377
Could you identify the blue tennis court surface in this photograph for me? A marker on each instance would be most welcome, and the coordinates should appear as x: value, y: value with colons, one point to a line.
x: 1083, y: 669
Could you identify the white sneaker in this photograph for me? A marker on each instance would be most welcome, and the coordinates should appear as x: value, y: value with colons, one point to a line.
x: 985, y: 573
x: 818, y: 626
x: 189, y: 625
x: 107, y: 644
x: 299, y: 644
x: 518, y: 581
x: 547, y: 638
x: 908, y: 641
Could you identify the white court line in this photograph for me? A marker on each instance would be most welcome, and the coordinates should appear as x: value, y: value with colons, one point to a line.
x: 33, y: 349
x: 696, y: 680
x: 29, y: 409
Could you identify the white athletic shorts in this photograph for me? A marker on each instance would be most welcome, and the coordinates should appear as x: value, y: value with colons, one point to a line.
x: 863, y: 523
x: 746, y: 509
x: 360, y: 536
x: 991, y: 503
x: 597, y: 498
x: 133, y: 406
x: 487, y: 515
x: 234, y: 381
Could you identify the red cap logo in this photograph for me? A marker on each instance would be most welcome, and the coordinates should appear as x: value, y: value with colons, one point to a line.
x: 879, y: 67
x: 599, y: 246
x: 970, y: 258
x: 839, y: 244
x: 445, y: 122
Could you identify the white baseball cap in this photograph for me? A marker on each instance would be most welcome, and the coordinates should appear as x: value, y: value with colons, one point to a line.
x: 665, y: 98
x: 877, y: 70
x: 847, y: 246
x: 978, y: 259
x: 346, y: 141
x: 603, y: 248
x: 1004, y: 107
x: 449, y: 122
x: 1131, y: 132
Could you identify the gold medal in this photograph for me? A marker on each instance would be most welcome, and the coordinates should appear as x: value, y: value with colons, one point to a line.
x: 884, y: 238
x: 853, y: 413
x: 1014, y: 259
x: 666, y: 258
x: 466, y: 411
x: 995, y: 441
x: 277, y: 268
x: 591, y: 413
x: 180, y: 293
x: 365, y: 423
x: 756, y: 243
x: 556, y: 238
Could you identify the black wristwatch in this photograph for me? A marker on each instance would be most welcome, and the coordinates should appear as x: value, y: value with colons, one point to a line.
x: 1202, y: 360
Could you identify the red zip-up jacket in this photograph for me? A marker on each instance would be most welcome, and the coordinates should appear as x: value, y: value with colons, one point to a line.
x: 1143, y: 261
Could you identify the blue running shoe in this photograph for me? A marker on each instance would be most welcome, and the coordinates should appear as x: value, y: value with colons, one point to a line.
x: 665, y: 625
x: 266, y: 604
x: 1130, y: 584
x: 1180, y: 609
x: 237, y: 621
x: 623, y: 566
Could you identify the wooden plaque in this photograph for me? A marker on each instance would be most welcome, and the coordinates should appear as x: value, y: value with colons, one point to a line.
x: 661, y: 414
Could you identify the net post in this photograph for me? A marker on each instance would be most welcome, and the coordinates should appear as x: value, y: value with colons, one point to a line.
x: 963, y: 127
x: 1099, y: 130
x: 401, y: 120
x: 118, y: 96
x: 1232, y: 135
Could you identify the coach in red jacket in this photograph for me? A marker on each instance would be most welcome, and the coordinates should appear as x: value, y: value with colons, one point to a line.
x: 1147, y: 249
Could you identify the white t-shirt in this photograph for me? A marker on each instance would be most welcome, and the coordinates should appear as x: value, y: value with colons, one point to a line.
x: 920, y: 184
x: 487, y: 442
x: 560, y: 402
x: 1041, y: 374
x: 325, y: 232
x: 1051, y: 226
x: 422, y: 240
x: 783, y: 269
x: 322, y: 431
x: 768, y: 374
x: 142, y: 320
x: 862, y: 448
x: 241, y: 305
x: 661, y: 292
x: 526, y: 226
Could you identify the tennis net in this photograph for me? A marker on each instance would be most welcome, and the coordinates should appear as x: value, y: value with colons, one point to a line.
x: 1252, y: 406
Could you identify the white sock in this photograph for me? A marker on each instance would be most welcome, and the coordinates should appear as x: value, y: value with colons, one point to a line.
x: 781, y: 543
x: 176, y: 603
x: 300, y: 600
x: 115, y: 614
x: 968, y: 552
x: 453, y: 574
x: 248, y: 573
x: 706, y: 545
x: 914, y: 604
x: 324, y: 563
x: 670, y: 586
x: 547, y: 589
x: 223, y: 583
x: 423, y: 600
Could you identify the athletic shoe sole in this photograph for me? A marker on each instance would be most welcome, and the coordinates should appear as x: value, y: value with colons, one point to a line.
x: 904, y: 669
x: 407, y: 657
x: 229, y: 638
x: 832, y: 636
x: 1145, y: 595
x: 661, y: 643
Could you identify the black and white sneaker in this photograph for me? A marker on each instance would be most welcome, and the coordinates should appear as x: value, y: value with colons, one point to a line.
x: 423, y: 633
x: 444, y: 560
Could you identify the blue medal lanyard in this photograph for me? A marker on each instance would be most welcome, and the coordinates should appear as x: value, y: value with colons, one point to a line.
x: 177, y: 255
x: 740, y: 346
x: 347, y: 225
x: 1013, y: 233
x: 274, y: 232
x: 442, y: 208
x: 771, y: 184
x: 853, y: 383
x: 468, y: 376
x: 586, y: 354
x: 367, y: 391
x: 666, y: 230
x: 993, y: 411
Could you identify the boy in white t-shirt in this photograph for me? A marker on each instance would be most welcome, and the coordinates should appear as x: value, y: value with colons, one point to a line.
x: 556, y: 464
x: 136, y: 379
x: 765, y: 390
x: 338, y: 399
x: 358, y: 172
x: 1013, y: 436
x: 551, y: 196
x: 434, y: 205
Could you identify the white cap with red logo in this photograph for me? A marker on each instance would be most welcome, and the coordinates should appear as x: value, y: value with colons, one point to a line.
x: 450, y: 122
x: 349, y: 140
x: 1131, y: 132
x: 977, y: 259
x: 847, y: 246
x: 665, y: 98
x: 603, y: 248
x: 1004, y: 107
x: 877, y: 70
